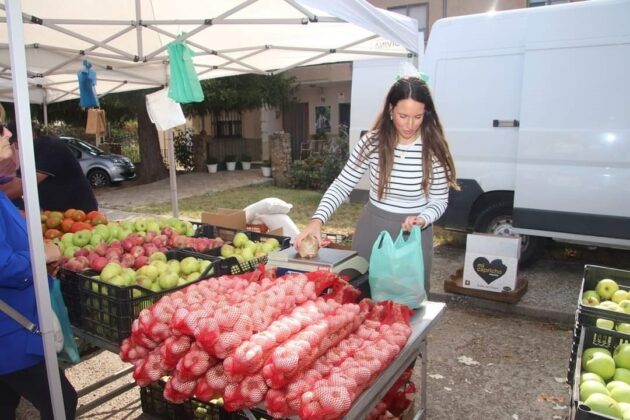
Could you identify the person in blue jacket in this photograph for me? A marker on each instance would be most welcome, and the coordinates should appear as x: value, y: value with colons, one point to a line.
x: 22, y: 364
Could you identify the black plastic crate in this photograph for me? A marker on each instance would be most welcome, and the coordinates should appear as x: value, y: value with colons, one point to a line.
x: 70, y: 291
x: 592, y: 275
x: 154, y: 403
x: 591, y: 337
x: 107, y: 311
x: 227, y: 234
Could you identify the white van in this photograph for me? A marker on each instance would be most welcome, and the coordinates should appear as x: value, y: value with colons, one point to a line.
x: 536, y: 107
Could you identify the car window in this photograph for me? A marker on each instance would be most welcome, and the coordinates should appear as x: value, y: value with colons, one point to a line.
x: 86, y: 147
x: 75, y: 151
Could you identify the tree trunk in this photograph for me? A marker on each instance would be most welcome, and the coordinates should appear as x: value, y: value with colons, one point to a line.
x: 199, y: 151
x: 152, y: 167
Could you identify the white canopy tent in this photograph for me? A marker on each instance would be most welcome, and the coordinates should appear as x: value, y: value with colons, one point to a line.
x: 45, y: 42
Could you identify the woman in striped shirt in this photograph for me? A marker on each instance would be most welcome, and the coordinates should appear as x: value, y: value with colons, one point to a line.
x: 410, y: 170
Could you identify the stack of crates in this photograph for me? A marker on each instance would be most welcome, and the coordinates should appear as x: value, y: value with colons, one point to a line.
x: 587, y: 334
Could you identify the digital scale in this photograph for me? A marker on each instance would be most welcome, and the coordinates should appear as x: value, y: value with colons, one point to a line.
x: 340, y: 261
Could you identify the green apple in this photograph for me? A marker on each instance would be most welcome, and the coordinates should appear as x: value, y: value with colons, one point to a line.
x: 160, y: 265
x: 140, y: 225
x: 96, y: 238
x: 149, y: 271
x: 103, y: 231
x: 247, y: 254
x: 153, y: 226
x: 603, y: 404
x: 143, y: 281
x: 240, y: 239
x: 67, y: 238
x: 601, y: 364
x: 119, y: 281
x: 620, y: 295
x: 273, y: 242
x: 155, y: 287
x: 267, y: 248
x: 82, y: 238
x: 227, y: 250
x: 609, y: 305
x: 621, y: 355
x: 114, y: 231
x: 625, y: 409
x: 193, y: 276
x: 129, y: 274
x: 190, y: 229
x: 591, y: 387
x: 174, y: 266
x: 157, y: 256
x: 621, y: 393
x: 69, y: 251
x: 181, y: 281
x: 590, y: 376
x: 110, y: 271
x: 606, y: 288
x: 203, y: 264
x: 623, y: 327
x: 612, y: 384
x: 588, y: 353
x: 625, y: 305
x: 622, y: 374
x: 189, y: 265
x: 169, y: 279
x: 605, y: 324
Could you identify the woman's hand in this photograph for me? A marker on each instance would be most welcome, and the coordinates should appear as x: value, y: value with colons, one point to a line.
x: 53, y: 257
x: 313, y: 228
x: 410, y: 221
x: 52, y: 252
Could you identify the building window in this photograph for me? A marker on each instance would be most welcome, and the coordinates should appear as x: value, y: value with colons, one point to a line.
x: 536, y: 3
x: 417, y: 11
x: 226, y: 124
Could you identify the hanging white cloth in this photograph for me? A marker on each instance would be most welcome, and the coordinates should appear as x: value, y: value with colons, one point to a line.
x: 164, y: 112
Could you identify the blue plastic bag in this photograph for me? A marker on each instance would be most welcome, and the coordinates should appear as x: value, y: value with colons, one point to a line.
x: 397, y: 269
x: 70, y: 351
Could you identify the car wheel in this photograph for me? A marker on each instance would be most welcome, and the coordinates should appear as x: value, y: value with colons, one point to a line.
x: 98, y: 178
x: 497, y: 220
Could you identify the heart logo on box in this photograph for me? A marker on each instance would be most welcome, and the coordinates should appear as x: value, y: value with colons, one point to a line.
x: 489, y: 271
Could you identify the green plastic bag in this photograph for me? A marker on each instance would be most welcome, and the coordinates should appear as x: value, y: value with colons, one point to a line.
x: 184, y: 86
x: 70, y: 351
x: 397, y: 269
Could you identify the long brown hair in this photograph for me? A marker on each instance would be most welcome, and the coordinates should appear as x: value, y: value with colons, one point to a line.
x: 434, y: 143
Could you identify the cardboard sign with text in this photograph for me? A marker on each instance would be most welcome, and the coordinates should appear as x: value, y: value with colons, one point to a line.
x: 491, y: 262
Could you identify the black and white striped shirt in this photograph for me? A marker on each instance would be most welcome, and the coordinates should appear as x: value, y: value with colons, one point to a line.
x: 404, y: 194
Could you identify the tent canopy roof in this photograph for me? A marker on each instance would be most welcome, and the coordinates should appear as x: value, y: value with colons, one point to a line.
x: 126, y: 40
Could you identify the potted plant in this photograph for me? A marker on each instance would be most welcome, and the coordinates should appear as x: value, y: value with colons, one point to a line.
x: 230, y: 162
x: 246, y: 161
x: 266, y: 168
x: 211, y: 164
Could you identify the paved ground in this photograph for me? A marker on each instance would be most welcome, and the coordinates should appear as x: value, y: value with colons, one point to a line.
x: 486, y: 359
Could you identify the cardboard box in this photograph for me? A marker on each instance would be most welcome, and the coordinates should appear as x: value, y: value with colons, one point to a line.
x: 491, y: 262
x: 232, y: 218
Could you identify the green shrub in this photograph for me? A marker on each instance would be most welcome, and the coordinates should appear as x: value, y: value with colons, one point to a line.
x: 182, y: 142
x: 318, y: 172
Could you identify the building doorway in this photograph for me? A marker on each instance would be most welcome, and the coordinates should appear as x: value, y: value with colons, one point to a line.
x: 344, y: 118
x: 295, y: 122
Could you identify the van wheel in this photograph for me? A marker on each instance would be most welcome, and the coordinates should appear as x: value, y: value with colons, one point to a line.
x: 497, y: 220
x: 98, y: 178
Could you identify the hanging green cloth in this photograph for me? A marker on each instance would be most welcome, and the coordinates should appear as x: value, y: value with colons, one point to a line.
x: 184, y: 86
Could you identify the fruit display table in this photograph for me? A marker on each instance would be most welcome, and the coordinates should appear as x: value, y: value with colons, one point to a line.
x: 421, y: 323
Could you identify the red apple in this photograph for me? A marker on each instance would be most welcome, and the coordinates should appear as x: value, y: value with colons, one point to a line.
x: 168, y: 231
x: 101, y: 249
x: 83, y: 260
x: 150, y: 248
x: 149, y: 236
x: 127, y: 243
x: 98, y: 263
x: 140, y: 261
x: 127, y: 260
x: 179, y: 241
x: 81, y: 252
x: 136, y: 251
